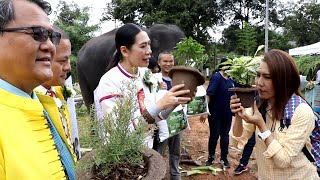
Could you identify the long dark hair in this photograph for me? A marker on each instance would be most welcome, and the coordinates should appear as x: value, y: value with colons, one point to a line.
x: 125, y: 36
x: 285, y: 80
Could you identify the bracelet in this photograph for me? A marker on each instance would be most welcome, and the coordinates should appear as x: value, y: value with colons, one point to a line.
x: 147, y: 116
x: 165, y: 113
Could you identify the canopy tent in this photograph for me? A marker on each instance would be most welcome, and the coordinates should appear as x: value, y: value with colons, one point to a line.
x: 309, y: 49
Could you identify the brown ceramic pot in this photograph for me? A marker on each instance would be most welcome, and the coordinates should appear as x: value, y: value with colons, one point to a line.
x: 189, y: 76
x: 156, y: 165
x: 246, y: 95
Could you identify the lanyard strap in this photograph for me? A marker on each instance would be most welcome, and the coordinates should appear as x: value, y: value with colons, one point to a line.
x: 64, y: 153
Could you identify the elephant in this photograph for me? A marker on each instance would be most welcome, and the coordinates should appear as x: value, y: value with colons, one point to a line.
x: 94, y: 57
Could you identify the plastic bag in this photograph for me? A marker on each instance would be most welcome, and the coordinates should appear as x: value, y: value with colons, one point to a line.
x: 198, y: 106
x: 176, y: 122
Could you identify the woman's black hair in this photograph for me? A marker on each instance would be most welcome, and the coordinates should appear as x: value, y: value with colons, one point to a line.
x: 125, y: 36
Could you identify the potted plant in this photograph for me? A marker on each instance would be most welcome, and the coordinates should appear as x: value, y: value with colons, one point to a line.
x: 243, y: 71
x: 119, y: 151
x: 188, y: 54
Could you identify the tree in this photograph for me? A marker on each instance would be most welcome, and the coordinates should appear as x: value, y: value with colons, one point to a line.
x: 303, y: 25
x: 194, y: 17
x: 242, y: 11
x: 247, y: 40
x: 230, y: 37
x: 189, y: 52
x: 74, y: 21
x: 251, y: 12
x: 277, y: 39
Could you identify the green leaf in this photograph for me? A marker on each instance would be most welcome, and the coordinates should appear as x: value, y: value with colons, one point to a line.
x: 194, y: 172
x: 259, y: 48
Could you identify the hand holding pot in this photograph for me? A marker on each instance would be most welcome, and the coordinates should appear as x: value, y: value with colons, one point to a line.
x: 240, y: 112
x: 173, y: 97
x: 235, y: 104
x: 189, y: 76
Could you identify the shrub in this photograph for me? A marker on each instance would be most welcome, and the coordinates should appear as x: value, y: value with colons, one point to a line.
x: 113, y: 140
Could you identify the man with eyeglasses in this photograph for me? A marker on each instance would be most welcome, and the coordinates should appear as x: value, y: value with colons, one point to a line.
x: 31, y: 146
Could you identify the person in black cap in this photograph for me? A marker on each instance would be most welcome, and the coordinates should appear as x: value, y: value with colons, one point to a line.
x: 220, y: 119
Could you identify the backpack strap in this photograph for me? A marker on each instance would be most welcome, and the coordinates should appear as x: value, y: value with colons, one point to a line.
x: 289, y: 109
x: 307, y: 153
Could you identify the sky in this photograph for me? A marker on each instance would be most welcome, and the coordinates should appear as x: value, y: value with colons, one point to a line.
x: 97, y: 8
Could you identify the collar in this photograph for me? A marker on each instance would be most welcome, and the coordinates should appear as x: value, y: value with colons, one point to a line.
x: 12, y: 89
x: 44, y: 91
x: 124, y: 72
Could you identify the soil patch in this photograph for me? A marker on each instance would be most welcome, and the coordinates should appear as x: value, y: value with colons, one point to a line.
x: 195, y: 146
x: 123, y: 171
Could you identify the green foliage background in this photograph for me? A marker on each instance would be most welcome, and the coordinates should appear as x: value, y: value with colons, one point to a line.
x: 308, y: 66
x: 291, y: 24
x: 189, y: 52
x: 74, y: 21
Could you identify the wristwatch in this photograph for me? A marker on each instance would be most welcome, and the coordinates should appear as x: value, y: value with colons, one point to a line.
x: 263, y: 136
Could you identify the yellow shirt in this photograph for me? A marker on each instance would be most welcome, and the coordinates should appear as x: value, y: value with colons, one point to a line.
x: 283, y: 158
x: 27, y: 150
x: 51, y: 107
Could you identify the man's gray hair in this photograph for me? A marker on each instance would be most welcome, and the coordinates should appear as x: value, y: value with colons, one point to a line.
x: 7, y: 10
x: 164, y: 52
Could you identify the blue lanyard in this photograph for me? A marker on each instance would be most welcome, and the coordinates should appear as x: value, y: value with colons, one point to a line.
x: 66, y: 157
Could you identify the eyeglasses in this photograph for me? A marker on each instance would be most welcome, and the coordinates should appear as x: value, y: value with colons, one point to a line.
x: 39, y: 34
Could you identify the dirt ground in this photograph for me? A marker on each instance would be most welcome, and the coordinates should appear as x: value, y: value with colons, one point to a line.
x: 195, y: 142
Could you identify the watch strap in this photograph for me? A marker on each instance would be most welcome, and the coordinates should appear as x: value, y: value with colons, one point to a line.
x: 263, y: 136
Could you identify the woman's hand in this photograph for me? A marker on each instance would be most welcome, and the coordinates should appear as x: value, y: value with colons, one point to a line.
x: 240, y: 112
x: 203, y: 118
x: 235, y: 105
x: 256, y: 117
x: 172, y: 97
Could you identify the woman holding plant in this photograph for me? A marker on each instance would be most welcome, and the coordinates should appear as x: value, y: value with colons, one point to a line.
x: 130, y: 62
x: 279, y: 147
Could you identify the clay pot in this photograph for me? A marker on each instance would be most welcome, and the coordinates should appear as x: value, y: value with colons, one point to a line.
x: 189, y: 76
x: 246, y: 95
x: 156, y: 165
